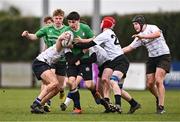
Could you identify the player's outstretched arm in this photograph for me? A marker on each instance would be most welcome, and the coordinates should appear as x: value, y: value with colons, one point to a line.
x: 80, y: 40
x: 127, y: 49
x: 29, y: 36
x: 85, y: 45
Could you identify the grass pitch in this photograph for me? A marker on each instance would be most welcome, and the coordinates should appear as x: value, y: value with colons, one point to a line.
x: 15, y: 106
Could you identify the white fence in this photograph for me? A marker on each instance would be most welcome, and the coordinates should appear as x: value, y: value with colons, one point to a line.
x: 16, y: 75
x: 20, y: 75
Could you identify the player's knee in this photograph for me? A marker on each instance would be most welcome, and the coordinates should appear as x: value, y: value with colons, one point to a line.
x: 60, y: 88
x: 149, y: 85
x: 55, y: 85
x: 89, y: 86
x: 159, y: 83
x: 159, y: 78
x: 105, y: 80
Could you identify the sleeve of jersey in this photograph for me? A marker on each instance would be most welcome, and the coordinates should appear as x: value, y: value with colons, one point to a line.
x: 154, y: 28
x: 41, y: 32
x: 100, y: 38
x: 135, y: 44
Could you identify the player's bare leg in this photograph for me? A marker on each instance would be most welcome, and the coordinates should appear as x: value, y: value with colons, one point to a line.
x: 151, y: 85
x: 51, y: 83
x: 134, y: 104
x: 159, y: 76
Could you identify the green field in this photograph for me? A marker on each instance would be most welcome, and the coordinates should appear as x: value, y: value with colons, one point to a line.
x: 14, y: 106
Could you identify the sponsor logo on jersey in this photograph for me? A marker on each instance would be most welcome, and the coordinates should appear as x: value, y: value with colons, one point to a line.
x: 87, y: 69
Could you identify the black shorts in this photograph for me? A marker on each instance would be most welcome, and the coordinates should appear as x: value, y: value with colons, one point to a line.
x: 102, y: 67
x: 61, y: 68
x: 39, y: 67
x: 53, y: 66
x: 120, y: 63
x: 84, y: 70
x: 163, y: 62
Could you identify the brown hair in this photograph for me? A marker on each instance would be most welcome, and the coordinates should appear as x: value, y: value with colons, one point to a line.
x: 47, y: 18
x: 58, y: 12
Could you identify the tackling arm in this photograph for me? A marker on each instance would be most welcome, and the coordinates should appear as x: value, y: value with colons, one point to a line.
x: 85, y: 45
x: 127, y: 49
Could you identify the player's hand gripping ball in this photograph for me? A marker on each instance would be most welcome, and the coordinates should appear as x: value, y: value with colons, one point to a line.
x: 68, y: 39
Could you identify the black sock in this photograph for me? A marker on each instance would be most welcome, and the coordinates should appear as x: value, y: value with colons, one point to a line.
x: 104, y: 103
x: 62, y: 91
x: 93, y: 92
x: 96, y: 97
x: 132, y: 102
x: 161, y: 107
x: 37, y: 101
x: 107, y: 99
x: 49, y: 102
x: 157, y: 101
x: 117, y: 99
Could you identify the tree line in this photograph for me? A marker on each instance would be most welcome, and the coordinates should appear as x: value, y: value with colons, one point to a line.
x: 16, y: 48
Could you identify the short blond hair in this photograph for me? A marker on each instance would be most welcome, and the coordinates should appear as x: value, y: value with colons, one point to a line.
x: 58, y: 12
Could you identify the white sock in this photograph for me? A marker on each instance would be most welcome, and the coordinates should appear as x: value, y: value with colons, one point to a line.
x: 67, y: 101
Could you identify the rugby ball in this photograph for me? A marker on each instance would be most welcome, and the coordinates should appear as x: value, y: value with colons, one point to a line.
x: 68, y: 41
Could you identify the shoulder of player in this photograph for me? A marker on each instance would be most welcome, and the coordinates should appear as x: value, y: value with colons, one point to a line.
x: 108, y: 32
x: 150, y: 27
x: 82, y: 25
x: 48, y: 26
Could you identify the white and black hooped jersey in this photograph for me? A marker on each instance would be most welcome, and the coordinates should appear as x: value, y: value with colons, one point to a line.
x: 100, y: 53
x: 156, y: 47
x: 51, y: 55
x: 110, y: 43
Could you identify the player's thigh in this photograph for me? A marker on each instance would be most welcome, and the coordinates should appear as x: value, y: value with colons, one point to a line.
x: 49, y: 76
x: 78, y: 79
x: 106, y: 74
x: 39, y: 67
x: 89, y: 84
x: 150, y: 79
x: 60, y: 79
x: 160, y: 74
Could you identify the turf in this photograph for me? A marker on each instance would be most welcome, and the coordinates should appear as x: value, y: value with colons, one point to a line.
x: 15, y: 106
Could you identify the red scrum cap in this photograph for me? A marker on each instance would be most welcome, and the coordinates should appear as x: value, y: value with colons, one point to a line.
x: 108, y: 22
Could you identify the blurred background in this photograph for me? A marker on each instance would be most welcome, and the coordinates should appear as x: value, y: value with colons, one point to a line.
x: 17, y: 53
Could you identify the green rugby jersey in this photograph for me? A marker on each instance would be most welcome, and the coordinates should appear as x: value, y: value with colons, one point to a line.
x: 50, y: 34
x: 84, y: 32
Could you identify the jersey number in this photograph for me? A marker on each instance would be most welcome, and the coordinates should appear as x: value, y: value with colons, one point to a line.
x: 116, y: 41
